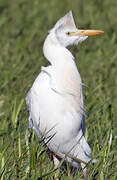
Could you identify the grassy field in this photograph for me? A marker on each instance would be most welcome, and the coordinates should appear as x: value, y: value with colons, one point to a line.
x: 23, y: 27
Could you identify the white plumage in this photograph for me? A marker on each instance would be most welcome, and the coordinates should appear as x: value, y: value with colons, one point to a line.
x: 55, y: 101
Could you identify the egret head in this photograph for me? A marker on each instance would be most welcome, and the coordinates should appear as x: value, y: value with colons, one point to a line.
x: 68, y: 34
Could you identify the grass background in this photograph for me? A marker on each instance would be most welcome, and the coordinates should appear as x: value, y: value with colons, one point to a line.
x: 23, y: 27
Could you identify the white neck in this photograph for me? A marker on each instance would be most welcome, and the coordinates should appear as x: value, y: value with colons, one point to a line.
x: 55, y: 53
x: 64, y: 74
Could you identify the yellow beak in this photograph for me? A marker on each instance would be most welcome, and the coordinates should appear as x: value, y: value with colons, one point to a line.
x: 86, y: 33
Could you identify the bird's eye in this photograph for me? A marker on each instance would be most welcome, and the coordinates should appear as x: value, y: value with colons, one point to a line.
x: 68, y: 33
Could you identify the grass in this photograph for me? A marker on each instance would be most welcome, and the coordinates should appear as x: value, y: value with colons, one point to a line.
x: 23, y: 28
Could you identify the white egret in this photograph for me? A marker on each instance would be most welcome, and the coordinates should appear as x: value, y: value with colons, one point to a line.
x: 55, y: 101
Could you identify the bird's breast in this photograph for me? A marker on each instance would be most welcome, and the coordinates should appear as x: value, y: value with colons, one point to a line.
x: 57, y: 111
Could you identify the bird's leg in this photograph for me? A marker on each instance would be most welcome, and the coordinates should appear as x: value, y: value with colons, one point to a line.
x: 86, y: 174
x: 85, y: 171
x: 56, y: 163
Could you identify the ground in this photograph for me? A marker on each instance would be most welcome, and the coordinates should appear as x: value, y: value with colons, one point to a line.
x: 23, y: 27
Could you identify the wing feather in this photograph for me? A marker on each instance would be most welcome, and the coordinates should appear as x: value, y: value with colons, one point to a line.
x: 33, y: 109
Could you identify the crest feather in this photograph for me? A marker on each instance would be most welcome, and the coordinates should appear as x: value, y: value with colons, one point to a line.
x: 66, y: 21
